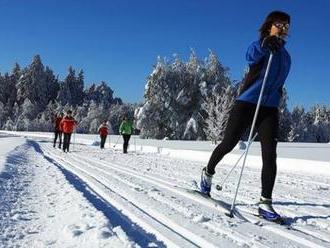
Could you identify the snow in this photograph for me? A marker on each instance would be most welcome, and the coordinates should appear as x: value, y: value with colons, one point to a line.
x: 40, y: 208
x: 6, y: 147
x: 103, y: 198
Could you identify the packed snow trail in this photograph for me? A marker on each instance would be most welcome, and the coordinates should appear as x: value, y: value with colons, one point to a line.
x: 92, y: 197
x: 132, y: 181
x: 169, y: 231
x: 39, y: 208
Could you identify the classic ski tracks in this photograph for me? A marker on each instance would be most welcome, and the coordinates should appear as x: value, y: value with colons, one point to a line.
x: 274, y: 228
x: 185, y: 236
x: 279, y: 230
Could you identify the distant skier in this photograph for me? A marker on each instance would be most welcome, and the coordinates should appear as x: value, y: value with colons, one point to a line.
x: 57, y: 129
x: 68, y: 123
x: 126, y: 130
x: 273, y: 33
x: 103, y: 130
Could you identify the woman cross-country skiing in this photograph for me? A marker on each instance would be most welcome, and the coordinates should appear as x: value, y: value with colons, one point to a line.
x: 126, y: 130
x: 68, y: 124
x: 57, y: 129
x: 103, y: 131
x: 273, y: 33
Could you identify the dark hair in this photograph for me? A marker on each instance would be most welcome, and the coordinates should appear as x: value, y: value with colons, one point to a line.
x: 270, y: 19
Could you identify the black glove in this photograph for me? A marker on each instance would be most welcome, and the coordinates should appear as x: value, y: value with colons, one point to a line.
x: 272, y: 43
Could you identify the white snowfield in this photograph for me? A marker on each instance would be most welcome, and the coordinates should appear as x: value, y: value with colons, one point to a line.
x: 103, y: 198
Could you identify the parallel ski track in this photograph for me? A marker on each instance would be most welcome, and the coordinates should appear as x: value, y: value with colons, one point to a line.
x: 297, y: 181
x: 231, y: 234
x: 184, y: 234
x: 300, y: 182
x: 172, y: 187
x: 279, y: 230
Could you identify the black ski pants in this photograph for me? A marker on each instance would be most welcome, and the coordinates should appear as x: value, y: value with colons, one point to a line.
x: 103, y: 139
x: 240, y: 118
x: 126, y: 138
x: 59, y: 135
x: 66, y: 141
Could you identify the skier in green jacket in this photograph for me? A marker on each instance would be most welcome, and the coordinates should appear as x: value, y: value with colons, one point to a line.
x: 126, y: 130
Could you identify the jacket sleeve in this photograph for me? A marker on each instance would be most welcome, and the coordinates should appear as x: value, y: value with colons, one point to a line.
x: 121, y: 127
x: 255, y: 53
x: 62, y: 124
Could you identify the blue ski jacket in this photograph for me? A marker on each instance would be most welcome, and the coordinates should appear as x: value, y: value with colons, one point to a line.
x: 257, y: 58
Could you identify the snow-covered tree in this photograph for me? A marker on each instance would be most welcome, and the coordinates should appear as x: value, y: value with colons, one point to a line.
x: 52, y: 84
x: 101, y: 94
x: 217, y: 107
x: 30, y: 97
x: 174, y: 94
x: 27, y: 113
x: 116, y: 114
x: 321, y: 124
x: 296, y: 133
x: 2, y: 115
x: 36, y: 84
x: 7, y: 90
x: 72, y: 88
x: 10, y: 125
x: 284, y: 118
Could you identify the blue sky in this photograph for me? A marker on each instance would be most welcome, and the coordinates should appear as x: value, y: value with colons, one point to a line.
x: 119, y: 41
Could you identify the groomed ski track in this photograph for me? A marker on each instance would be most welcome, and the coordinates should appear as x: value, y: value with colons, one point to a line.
x: 160, y: 205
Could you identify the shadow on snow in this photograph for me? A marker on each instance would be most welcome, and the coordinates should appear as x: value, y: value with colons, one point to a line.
x: 135, y: 232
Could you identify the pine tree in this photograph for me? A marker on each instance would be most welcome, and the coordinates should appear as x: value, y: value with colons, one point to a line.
x: 65, y: 94
x: 174, y: 95
x: 217, y: 107
x: 52, y: 85
x: 101, y: 94
x: 36, y: 84
x: 321, y: 124
x: 285, y: 121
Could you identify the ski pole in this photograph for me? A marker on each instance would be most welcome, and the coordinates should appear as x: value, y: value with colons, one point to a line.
x: 231, y: 213
x: 135, y: 144
x: 220, y: 185
x: 116, y: 142
x: 74, y: 138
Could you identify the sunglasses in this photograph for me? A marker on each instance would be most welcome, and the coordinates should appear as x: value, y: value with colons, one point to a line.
x: 282, y: 25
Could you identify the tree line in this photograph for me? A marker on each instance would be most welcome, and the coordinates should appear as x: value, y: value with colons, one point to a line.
x: 31, y: 96
x: 192, y: 100
x: 182, y: 100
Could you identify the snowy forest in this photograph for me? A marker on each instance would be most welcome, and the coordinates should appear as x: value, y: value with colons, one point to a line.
x: 192, y: 100
x: 30, y: 97
x: 183, y: 100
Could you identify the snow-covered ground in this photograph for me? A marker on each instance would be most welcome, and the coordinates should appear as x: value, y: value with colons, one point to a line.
x: 103, y: 198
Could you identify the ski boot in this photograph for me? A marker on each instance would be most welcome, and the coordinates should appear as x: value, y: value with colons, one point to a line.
x: 206, y: 182
x: 267, y: 211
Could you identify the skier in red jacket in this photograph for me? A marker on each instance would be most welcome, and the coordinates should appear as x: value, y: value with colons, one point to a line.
x: 103, y: 131
x: 67, y: 125
x: 57, y: 129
